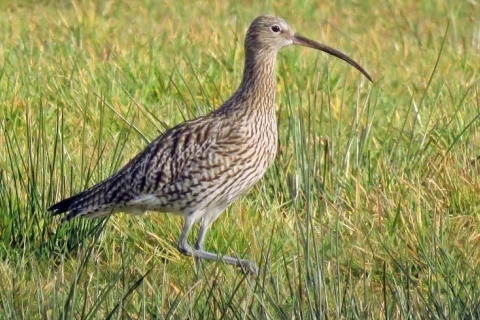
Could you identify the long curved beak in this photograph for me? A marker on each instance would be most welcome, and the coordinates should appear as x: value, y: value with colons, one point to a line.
x: 302, y: 41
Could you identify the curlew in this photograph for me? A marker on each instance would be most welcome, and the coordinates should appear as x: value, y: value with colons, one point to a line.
x: 197, y: 168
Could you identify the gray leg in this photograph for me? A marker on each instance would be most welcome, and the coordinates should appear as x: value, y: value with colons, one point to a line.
x: 183, y: 245
x: 200, y: 253
x: 207, y: 221
x: 199, y: 244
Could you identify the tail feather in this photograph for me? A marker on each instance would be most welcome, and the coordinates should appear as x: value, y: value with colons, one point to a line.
x: 65, y: 205
x: 83, y: 203
x: 101, y: 199
x: 74, y: 206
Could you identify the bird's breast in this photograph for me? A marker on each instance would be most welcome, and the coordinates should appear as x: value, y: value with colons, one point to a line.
x: 267, y: 139
x: 260, y: 143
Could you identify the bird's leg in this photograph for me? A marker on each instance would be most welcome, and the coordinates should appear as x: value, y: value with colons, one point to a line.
x: 207, y: 220
x: 183, y: 245
x: 201, y: 237
x: 200, y: 253
x: 204, y: 225
x: 199, y: 244
x: 246, y: 265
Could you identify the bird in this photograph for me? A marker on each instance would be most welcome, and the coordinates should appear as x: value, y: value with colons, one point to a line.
x: 197, y: 168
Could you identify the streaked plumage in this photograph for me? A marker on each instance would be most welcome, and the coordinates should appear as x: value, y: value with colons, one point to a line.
x: 199, y: 167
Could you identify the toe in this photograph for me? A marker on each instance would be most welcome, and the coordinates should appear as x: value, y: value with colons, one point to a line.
x: 249, y: 267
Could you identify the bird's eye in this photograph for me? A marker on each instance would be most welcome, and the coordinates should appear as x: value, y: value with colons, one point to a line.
x: 275, y: 29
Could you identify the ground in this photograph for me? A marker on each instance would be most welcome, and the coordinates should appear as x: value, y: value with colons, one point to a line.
x: 371, y: 209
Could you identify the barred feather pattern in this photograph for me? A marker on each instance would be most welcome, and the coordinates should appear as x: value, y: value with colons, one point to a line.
x: 201, y: 164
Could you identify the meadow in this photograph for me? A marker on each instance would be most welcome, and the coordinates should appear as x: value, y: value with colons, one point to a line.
x: 372, y: 207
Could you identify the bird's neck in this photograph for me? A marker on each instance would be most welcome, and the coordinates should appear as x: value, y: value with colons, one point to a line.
x: 256, y: 93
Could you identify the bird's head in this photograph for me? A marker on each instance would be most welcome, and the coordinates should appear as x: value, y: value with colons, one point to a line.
x: 269, y: 34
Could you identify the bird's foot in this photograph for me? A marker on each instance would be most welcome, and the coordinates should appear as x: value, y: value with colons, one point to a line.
x: 185, y: 249
x: 248, y: 267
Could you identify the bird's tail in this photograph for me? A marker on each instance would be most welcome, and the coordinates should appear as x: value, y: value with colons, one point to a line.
x: 102, y: 199
x: 91, y: 203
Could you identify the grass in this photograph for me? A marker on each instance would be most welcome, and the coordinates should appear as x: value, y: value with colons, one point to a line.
x: 371, y: 209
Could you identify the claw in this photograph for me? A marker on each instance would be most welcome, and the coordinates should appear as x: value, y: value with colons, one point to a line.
x: 249, y: 267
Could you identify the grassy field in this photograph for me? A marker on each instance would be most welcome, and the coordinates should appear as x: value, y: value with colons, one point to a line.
x: 372, y: 208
